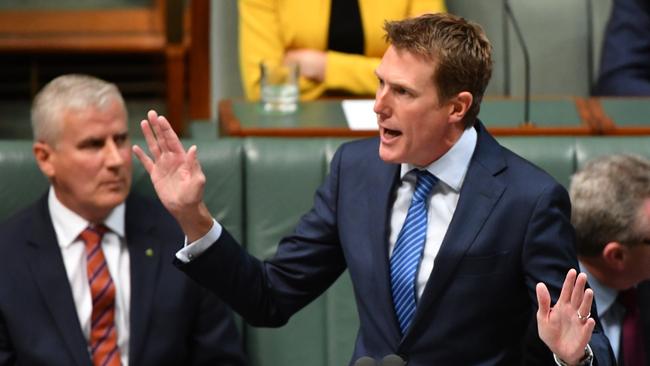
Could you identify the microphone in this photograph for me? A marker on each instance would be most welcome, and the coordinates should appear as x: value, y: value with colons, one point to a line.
x: 365, y: 361
x: 392, y: 360
x: 507, y: 10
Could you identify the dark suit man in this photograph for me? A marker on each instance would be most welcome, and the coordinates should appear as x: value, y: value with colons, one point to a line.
x: 446, y: 234
x: 625, y: 56
x: 133, y: 307
x: 611, y: 214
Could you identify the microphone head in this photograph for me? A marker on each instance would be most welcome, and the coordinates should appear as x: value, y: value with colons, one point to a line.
x: 365, y: 361
x: 393, y: 360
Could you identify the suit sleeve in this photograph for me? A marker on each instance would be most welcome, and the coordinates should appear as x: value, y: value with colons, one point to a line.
x: 215, y: 338
x: 306, y: 263
x: 549, y: 252
x: 7, y: 354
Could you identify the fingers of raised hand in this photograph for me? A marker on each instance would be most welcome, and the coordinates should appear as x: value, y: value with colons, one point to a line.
x: 578, y: 292
x: 167, y: 139
x: 149, y: 137
x: 543, y: 301
x: 567, y: 287
x: 144, y: 159
x: 584, y: 308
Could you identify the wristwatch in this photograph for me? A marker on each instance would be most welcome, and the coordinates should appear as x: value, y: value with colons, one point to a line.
x: 586, y: 360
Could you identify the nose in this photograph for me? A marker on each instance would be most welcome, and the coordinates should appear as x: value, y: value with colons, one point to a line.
x: 113, y: 154
x: 381, y: 104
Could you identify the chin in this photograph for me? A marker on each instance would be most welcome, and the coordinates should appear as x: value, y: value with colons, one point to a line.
x: 389, y: 156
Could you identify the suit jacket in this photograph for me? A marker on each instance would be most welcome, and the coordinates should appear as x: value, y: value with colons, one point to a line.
x: 510, y: 230
x: 643, y: 293
x: 172, y: 322
x: 625, y: 58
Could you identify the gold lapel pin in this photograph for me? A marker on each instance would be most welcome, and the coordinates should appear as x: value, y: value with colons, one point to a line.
x: 149, y: 252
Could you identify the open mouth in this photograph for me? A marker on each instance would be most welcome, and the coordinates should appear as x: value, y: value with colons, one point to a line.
x: 388, y: 133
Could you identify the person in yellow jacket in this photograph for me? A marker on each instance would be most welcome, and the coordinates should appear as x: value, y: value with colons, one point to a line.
x: 306, y: 32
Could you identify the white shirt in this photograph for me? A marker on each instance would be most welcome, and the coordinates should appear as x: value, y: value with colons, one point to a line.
x: 450, y: 169
x: 67, y: 226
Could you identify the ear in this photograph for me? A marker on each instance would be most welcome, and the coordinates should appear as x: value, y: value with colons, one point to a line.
x: 616, y: 255
x: 44, y: 155
x: 459, y: 105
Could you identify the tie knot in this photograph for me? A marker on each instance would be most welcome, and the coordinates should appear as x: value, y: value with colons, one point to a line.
x: 93, y: 234
x: 425, y: 183
x: 628, y: 299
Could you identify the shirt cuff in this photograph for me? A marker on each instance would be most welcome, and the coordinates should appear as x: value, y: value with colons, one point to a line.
x: 587, y: 361
x: 192, y: 250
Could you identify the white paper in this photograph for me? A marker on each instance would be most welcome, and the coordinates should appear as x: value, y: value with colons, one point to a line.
x: 359, y: 114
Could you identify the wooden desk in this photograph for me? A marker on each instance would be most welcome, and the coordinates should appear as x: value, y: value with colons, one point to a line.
x: 503, y: 117
x: 622, y: 115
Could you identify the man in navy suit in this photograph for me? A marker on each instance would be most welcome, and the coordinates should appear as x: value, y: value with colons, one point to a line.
x: 491, y: 226
x: 133, y: 307
x: 611, y: 214
x: 625, y: 56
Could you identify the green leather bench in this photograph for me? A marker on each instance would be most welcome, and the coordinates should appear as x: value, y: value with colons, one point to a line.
x: 258, y: 188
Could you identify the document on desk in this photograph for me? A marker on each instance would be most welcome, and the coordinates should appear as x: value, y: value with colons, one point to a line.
x: 359, y: 114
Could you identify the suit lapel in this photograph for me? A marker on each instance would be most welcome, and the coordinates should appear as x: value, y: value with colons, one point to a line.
x: 479, y: 194
x: 46, y: 265
x: 145, y: 256
x: 380, y: 207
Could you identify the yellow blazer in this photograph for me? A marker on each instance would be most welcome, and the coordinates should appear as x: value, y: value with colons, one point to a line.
x: 267, y: 28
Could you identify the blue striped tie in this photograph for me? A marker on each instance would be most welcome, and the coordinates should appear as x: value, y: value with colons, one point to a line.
x: 408, y: 250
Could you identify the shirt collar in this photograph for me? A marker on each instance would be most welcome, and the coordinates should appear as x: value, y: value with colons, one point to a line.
x: 604, y: 296
x: 68, y: 224
x: 452, y: 166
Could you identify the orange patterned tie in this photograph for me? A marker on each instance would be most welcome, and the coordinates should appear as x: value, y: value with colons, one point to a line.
x: 103, y: 335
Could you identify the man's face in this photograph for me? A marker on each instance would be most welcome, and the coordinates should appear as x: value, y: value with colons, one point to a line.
x: 414, y: 126
x: 90, y: 165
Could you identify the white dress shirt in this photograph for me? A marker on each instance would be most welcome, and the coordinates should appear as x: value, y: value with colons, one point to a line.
x: 450, y: 169
x: 68, y: 225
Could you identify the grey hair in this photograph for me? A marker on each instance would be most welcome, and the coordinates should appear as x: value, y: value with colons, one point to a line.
x: 65, y: 93
x: 607, y: 197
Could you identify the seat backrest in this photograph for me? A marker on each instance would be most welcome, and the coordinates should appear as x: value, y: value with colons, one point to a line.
x: 281, y: 178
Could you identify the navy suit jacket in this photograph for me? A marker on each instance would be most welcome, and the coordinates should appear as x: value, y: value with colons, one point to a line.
x: 625, y: 59
x: 172, y: 322
x: 510, y: 230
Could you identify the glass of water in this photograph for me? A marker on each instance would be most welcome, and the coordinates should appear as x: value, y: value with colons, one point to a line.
x: 279, y: 87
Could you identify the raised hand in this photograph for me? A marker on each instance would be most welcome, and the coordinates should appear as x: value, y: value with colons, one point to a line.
x: 567, y: 326
x: 176, y: 175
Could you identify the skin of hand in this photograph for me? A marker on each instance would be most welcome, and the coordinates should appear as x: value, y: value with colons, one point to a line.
x: 560, y: 326
x: 176, y: 176
x: 311, y: 63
